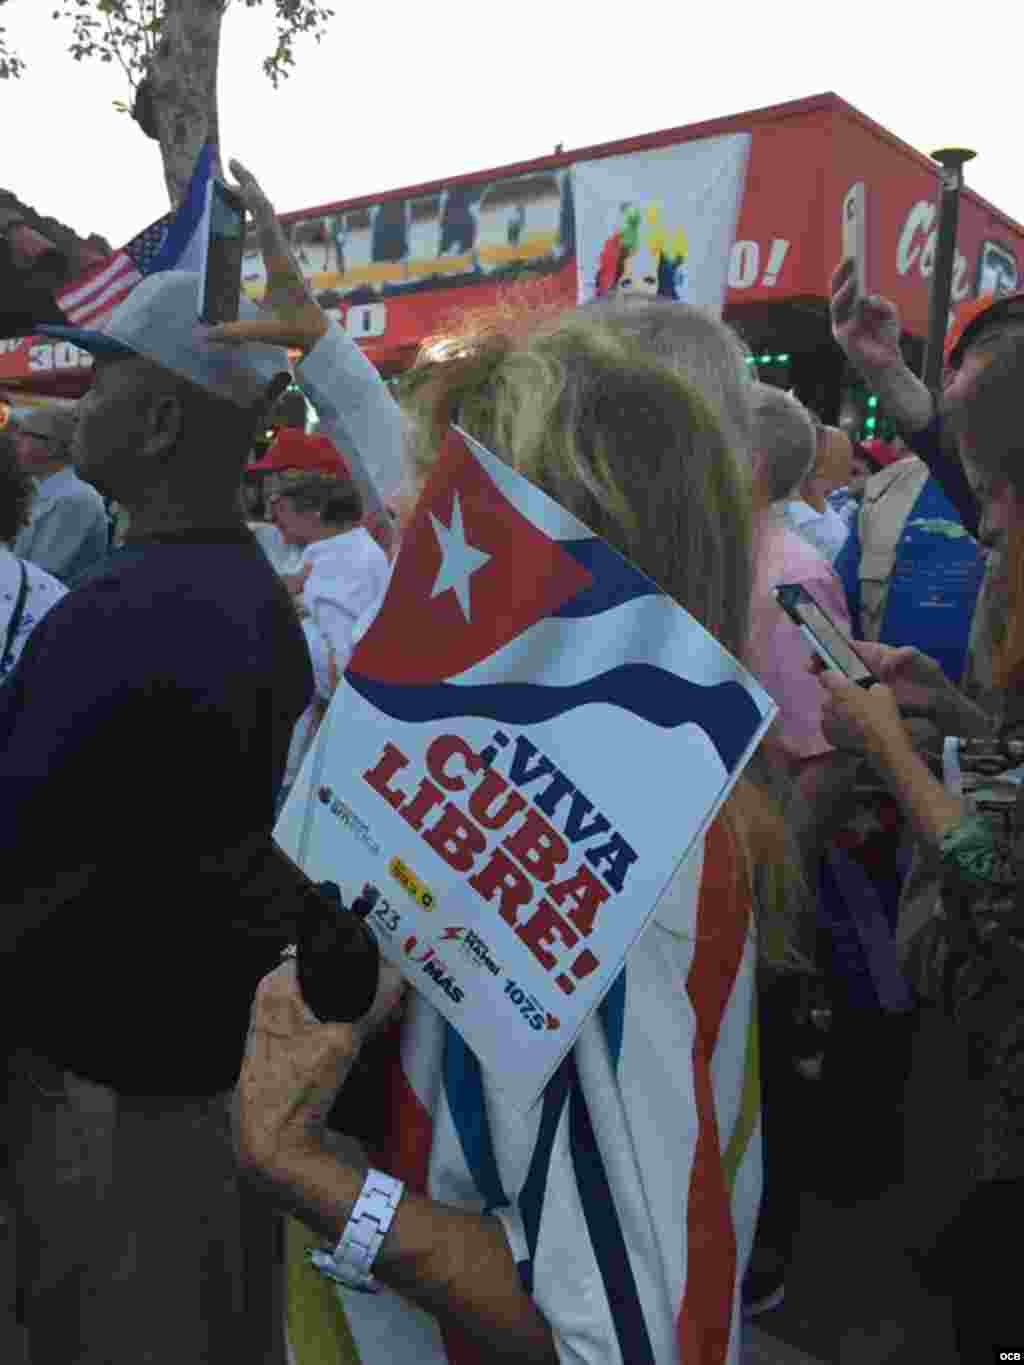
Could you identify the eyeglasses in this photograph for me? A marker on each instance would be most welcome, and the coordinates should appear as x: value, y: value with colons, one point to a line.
x: 275, y: 484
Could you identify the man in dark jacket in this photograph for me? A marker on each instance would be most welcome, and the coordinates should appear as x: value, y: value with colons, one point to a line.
x: 143, y: 737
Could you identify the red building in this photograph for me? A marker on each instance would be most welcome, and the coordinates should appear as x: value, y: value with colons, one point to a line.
x: 396, y: 266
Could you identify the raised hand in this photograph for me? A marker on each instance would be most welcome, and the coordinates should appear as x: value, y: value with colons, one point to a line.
x: 868, y: 329
x: 291, y: 316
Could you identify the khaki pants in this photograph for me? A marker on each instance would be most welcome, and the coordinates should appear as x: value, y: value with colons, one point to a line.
x: 136, y: 1242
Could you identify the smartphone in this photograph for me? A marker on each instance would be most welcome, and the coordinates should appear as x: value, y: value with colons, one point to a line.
x: 822, y: 633
x: 855, y: 234
x: 220, y: 269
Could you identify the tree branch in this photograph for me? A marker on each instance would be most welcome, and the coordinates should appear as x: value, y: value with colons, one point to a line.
x: 11, y: 65
x: 115, y: 48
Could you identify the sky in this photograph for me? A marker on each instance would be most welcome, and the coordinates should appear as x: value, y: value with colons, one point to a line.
x: 398, y: 94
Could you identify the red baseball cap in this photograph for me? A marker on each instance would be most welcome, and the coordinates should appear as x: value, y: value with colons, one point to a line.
x: 973, y: 315
x: 293, y: 449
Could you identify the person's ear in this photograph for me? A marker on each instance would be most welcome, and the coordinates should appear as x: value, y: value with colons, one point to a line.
x: 165, y: 425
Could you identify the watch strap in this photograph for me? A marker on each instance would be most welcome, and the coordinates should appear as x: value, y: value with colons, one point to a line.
x: 350, y: 1262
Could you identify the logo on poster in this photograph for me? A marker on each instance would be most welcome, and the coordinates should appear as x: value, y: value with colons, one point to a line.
x: 472, y: 946
x: 382, y: 913
x: 407, y: 879
x: 346, y: 816
x: 530, y: 1008
x: 434, y: 967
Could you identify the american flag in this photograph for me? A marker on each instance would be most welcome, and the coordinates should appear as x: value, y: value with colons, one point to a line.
x: 89, y: 300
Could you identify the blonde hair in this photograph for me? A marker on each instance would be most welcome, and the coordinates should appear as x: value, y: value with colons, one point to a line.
x: 639, y: 456
x: 694, y: 344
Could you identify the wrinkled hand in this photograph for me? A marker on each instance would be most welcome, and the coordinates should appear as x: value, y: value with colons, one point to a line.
x: 860, y: 720
x: 915, y: 679
x: 868, y: 329
x: 292, y: 317
x: 294, y: 1066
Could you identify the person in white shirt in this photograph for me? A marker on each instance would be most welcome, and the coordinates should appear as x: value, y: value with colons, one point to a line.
x: 293, y: 455
x: 809, y: 514
x: 26, y: 592
x: 68, y: 531
x: 342, y: 572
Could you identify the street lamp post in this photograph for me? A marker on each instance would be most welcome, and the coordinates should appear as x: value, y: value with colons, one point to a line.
x: 952, y: 160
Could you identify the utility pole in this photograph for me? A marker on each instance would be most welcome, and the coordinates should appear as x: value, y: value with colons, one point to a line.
x: 952, y: 160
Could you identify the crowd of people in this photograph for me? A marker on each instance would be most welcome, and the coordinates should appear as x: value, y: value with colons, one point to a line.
x: 168, y: 1088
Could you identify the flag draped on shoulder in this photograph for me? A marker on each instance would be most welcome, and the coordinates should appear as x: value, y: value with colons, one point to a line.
x: 171, y: 243
x: 530, y: 724
x: 628, y: 1195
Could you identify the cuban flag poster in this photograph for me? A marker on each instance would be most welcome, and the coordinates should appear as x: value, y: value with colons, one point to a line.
x: 660, y: 222
x: 528, y: 740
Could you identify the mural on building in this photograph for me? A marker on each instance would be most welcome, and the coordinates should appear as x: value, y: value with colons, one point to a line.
x: 465, y: 234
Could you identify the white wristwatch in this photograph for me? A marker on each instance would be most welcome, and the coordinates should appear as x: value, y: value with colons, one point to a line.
x: 350, y: 1262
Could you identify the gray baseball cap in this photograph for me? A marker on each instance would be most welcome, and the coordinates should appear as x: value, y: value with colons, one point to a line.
x: 159, y: 320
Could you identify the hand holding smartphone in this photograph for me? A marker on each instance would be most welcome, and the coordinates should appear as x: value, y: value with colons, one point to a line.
x: 854, y: 226
x: 220, y: 270
x: 822, y: 633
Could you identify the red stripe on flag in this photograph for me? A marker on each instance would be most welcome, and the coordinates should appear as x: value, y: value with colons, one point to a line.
x: 89, y: 297
x: 723, y: 920
x: 71, y: 293
x: 94, y: 317
x: 93, y: 282
x: 409, y: 1129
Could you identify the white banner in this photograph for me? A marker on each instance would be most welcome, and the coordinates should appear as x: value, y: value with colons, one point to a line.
x: 527, y: 742
x: 660, y: 222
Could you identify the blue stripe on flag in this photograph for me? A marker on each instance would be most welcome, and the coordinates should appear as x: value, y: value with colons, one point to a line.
x: 531, y: 1200
x: 606, y: 1235
x: 187, y: 220
x: 615, y: 579
x: 725, y: 711
x: 613, y: 1016
x: 464, y: 1090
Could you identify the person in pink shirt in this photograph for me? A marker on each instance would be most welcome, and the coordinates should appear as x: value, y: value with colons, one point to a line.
x: 783, y: 450
x: 777, y: 653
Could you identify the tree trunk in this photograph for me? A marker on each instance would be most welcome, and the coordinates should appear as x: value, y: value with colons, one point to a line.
x: 183, y: 82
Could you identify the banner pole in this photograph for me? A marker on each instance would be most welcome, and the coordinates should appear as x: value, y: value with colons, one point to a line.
x: 952, y: 160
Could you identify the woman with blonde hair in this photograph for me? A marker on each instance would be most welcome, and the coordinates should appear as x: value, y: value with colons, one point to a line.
x: 613, y: 1221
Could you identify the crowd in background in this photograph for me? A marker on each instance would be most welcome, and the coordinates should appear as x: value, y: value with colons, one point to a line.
x: 866, y: 867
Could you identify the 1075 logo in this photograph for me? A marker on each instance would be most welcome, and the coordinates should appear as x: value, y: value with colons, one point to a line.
x: 530, y: 1008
